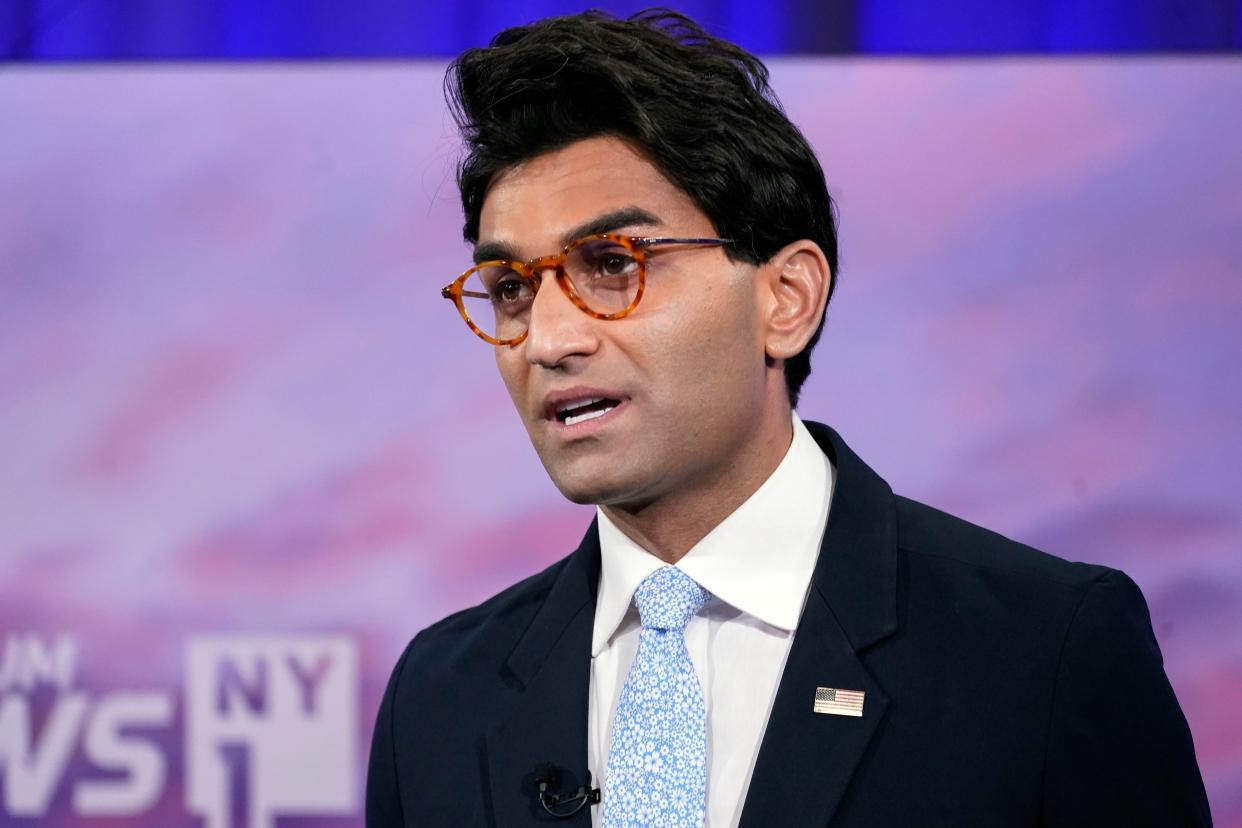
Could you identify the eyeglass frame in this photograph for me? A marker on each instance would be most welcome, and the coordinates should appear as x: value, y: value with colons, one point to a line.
x: 530, y: 270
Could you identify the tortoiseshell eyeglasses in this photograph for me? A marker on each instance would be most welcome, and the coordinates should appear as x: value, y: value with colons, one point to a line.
x: 604, y: 275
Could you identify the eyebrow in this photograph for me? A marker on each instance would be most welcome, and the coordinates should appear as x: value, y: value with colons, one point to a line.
x: 606, y: 223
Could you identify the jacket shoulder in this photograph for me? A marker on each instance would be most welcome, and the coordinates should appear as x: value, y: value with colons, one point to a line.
x: 926, y: 532
x: 441, y: 695
x: 501, y: 618
x: 456, y: 664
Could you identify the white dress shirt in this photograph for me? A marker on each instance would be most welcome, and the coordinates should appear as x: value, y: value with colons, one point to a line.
x: 757, y: 563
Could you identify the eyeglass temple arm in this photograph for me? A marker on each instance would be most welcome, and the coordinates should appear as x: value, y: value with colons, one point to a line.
x: 447, y: 293
x: 650, y: 240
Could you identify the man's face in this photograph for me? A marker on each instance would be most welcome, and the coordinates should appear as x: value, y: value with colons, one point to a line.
x: 682, y: 378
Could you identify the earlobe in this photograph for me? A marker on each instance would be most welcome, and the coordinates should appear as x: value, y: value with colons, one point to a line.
x: 797, y: 285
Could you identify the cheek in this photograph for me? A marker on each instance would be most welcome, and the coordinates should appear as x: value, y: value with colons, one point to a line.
x: 709, y: 348
x: 510, y: 362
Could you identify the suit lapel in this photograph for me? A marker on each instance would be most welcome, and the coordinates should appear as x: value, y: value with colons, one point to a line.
x: 551, y: 664
x: 807, y: 759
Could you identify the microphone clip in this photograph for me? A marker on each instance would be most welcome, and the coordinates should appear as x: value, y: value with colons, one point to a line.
x: 562, y: 806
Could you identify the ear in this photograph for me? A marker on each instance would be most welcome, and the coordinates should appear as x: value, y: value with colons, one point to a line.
x: 795, y: 285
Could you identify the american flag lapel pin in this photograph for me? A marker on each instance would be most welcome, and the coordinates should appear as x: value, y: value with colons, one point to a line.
x: 837, y: 702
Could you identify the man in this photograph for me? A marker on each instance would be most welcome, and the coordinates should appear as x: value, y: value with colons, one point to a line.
x: 755, y: 630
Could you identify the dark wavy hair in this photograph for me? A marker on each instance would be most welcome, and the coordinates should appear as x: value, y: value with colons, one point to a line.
x: 700, y: 108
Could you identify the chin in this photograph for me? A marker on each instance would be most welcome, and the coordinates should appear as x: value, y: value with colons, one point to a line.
x: 585, y: 490
x: 594, y: 487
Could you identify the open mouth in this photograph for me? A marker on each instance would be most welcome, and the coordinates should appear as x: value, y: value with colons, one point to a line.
x: 580, y: 411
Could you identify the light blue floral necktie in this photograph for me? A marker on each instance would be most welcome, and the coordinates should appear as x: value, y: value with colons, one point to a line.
x: 657, y: 762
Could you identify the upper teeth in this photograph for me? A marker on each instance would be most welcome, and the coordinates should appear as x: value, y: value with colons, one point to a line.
x: 578, y: 404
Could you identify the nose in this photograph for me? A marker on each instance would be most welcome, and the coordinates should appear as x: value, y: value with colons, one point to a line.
x: 558, y: 330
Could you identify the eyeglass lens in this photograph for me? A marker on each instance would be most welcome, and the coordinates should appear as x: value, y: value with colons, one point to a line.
x: 604, y: 273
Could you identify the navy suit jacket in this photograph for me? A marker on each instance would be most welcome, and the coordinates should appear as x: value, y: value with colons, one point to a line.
x: 1004, y: 687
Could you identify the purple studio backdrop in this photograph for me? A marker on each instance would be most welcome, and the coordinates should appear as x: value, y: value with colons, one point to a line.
x: 248, y: 451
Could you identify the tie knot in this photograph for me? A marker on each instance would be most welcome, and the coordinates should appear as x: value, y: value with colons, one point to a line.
x: 668, y: 598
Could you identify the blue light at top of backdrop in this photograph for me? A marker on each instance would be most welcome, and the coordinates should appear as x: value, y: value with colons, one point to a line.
x: 308, y: 29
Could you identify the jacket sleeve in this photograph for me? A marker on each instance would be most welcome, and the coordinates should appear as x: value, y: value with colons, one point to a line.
x: 1119, y: 748
x: 383, y: 805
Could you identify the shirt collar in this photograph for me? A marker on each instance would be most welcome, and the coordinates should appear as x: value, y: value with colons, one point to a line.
x: 759, y: 559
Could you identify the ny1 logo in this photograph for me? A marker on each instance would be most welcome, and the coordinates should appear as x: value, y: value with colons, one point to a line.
x: 270, y: 729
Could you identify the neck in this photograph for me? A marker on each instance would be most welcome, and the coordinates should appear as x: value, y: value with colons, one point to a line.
x: 669, y: 526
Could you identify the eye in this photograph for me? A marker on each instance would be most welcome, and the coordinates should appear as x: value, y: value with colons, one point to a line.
x: 602, y: 259
x: 510, y: 290
x: 615, y: 263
